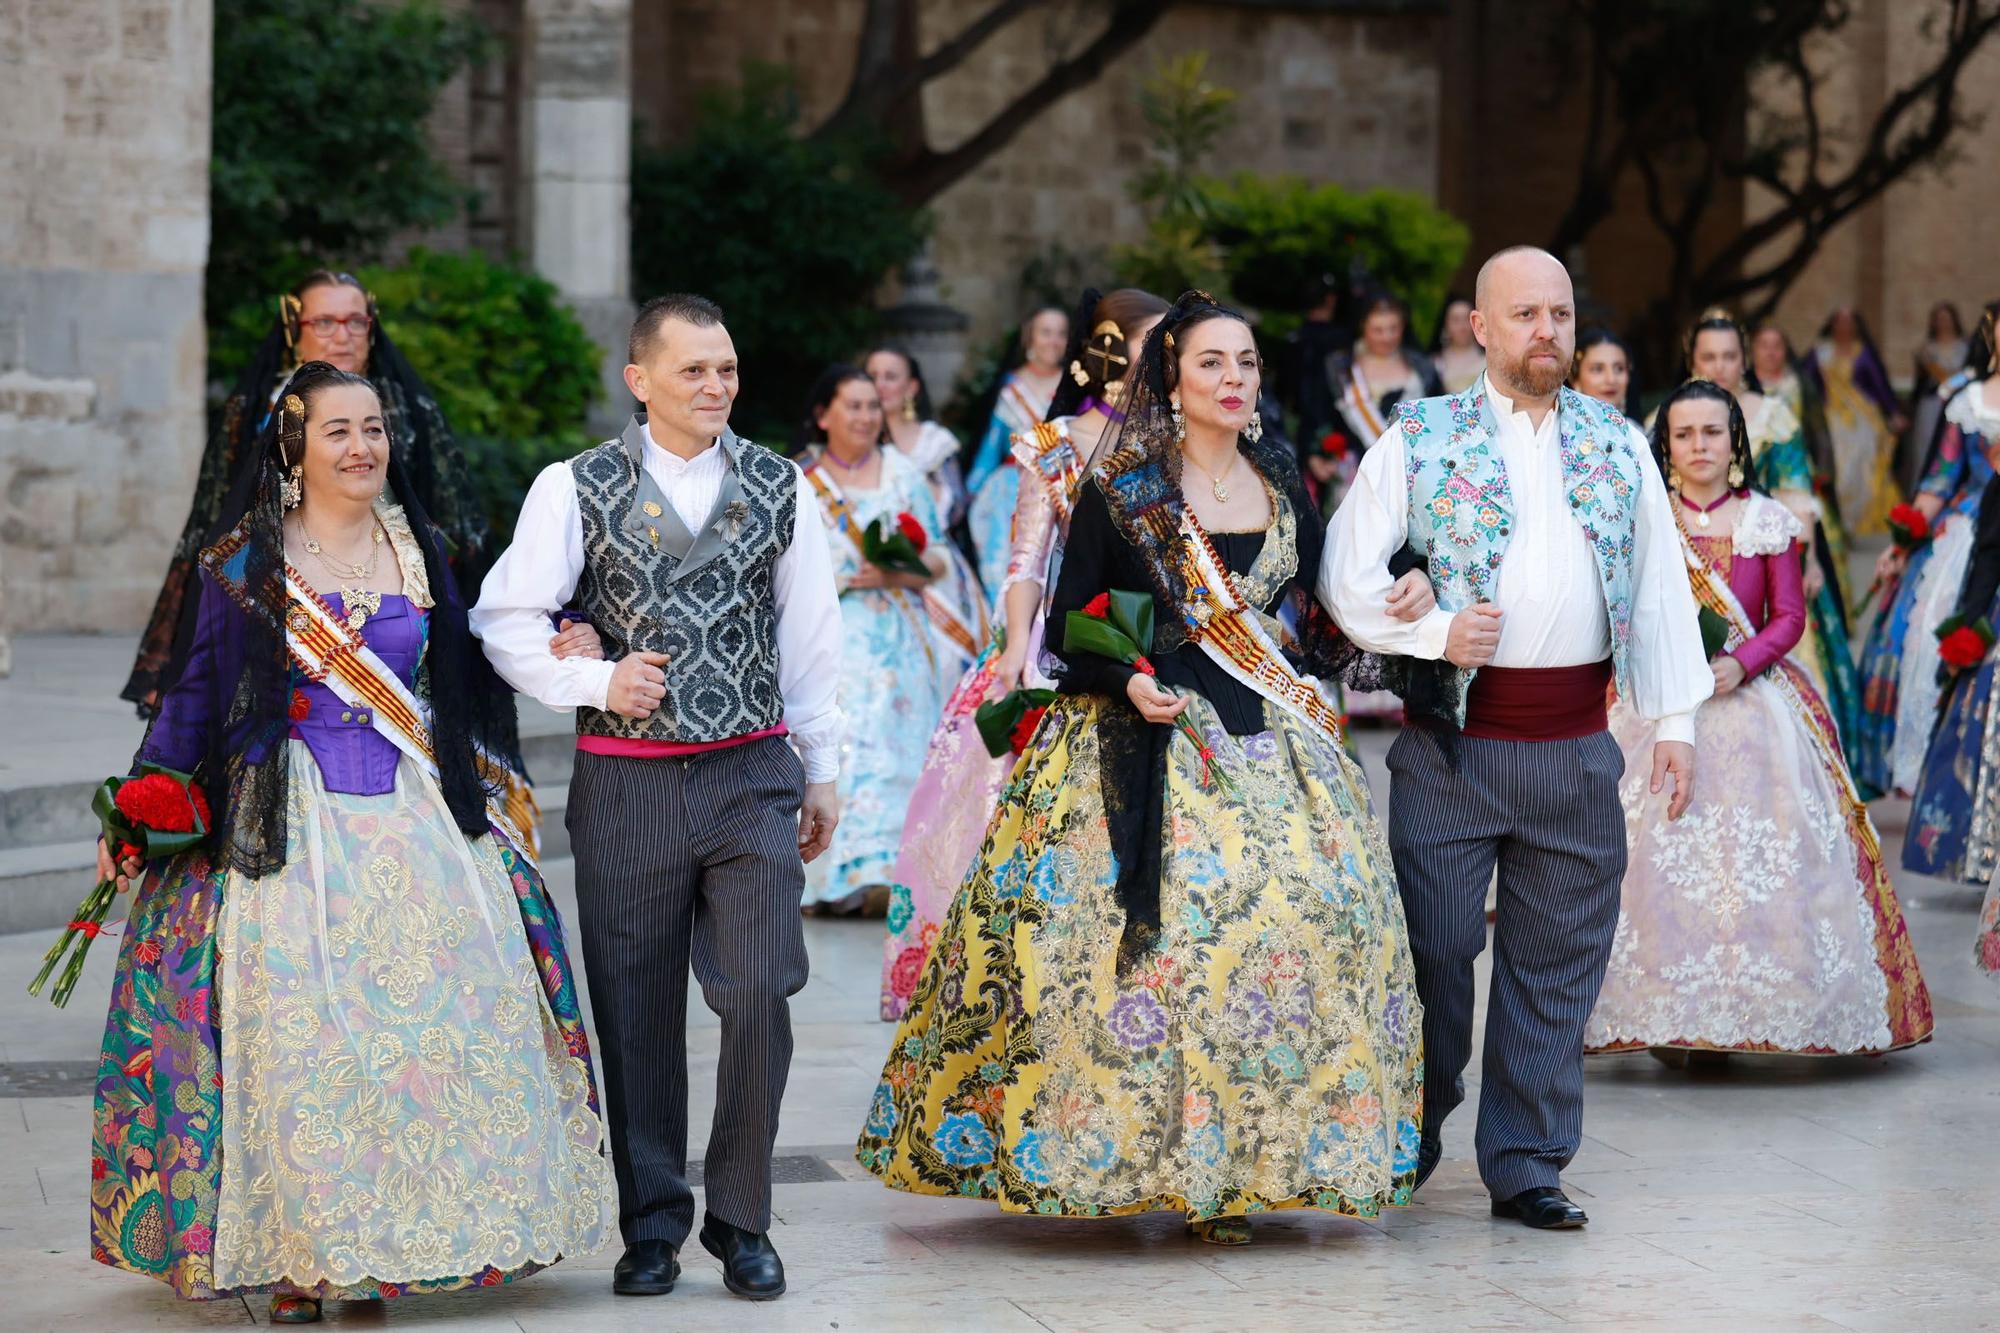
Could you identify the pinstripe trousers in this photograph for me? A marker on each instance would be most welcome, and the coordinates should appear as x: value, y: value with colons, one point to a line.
x: 691, y: 863
x: 1546, y: 813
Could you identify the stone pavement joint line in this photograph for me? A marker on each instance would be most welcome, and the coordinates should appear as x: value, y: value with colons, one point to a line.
x: 1773, y: 1194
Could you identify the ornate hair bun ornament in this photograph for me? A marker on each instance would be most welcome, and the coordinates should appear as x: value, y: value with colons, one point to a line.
x: 1104, y: 337
x: 1079, y: 374
x: 291, y: 426
x: 295, y: 405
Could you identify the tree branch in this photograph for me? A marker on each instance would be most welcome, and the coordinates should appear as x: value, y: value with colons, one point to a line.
x: 922, y: 176
x: 882, y: 79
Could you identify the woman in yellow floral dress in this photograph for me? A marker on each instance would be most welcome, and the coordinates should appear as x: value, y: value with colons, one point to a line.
x: 1177, y: 975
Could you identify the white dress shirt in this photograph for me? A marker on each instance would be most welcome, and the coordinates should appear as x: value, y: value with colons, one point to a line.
x: 1549, y: 591
x: 538, y: 574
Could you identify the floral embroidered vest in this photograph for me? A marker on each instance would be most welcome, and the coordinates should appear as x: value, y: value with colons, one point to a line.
x: 1462, y: 512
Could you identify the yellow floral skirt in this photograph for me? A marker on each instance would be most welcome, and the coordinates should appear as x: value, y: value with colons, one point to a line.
x: 1265, y: 1053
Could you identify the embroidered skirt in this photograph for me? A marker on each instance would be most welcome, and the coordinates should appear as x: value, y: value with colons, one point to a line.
x: 1264, y: 1054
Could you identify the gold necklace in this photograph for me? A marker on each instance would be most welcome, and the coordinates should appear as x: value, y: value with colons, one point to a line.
x: 1215, y: 483
x: 360, y: 603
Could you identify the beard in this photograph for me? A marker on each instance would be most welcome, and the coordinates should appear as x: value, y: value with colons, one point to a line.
x: 1527, y: 379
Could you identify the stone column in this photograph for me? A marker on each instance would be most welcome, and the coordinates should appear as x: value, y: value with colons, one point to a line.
x: 575, y: 167
x: 933, y: 332
x: 103, y: 238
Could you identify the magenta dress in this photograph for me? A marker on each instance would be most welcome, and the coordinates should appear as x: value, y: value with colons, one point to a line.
x: 960, y: 784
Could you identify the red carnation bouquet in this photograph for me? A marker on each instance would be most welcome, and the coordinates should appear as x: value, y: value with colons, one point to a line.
x: 1908, y: 527
x: 898, y: 548
x: 1336, y: 444
x: 156, y: 814
x: 1910, y: 531
x: 1119, y: 625
x: 1964, y: 641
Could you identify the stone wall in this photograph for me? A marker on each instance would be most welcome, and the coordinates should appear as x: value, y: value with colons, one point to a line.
x: 1350, y: 98
x: 1926, y: 239
x: 103, y: 236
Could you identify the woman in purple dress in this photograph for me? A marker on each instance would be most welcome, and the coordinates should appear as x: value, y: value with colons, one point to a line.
x: 344, y: 1057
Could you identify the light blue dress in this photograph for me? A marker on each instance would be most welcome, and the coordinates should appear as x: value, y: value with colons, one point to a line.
x: 994, y: 482
x: 893, y: 681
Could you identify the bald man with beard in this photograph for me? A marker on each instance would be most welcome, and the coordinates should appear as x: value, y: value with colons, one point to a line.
x: 1551, y: 544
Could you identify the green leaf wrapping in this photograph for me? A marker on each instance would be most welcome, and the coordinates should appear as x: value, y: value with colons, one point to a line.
x: 1714, y: 633
x: 997, y: 718
x: 891, y: 550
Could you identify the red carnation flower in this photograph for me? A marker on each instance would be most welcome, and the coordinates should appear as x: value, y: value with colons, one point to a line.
x: 907, y: 525
x: 1098, y: 607
x: 1024, y: 730
x: 301, y: 707
x: 1963, y: 647
x: 1334, y: 444
x: 1911, y: 519
x: 156, y: 801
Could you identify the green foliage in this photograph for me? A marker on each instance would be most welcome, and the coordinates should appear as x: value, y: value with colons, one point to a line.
x: 321, y: 139
x: 1279, y: 233
x: 498, y: 348
x: 791, y: 236
x: 509, y: 364
x: 1187, y: 115
x: 1263, y: 240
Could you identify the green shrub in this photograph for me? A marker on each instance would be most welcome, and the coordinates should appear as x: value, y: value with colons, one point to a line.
x: 322, y: 142
x: 499, y: 349
x: 792, y: 237
x: 1277, y: 234
x: 510, y: 365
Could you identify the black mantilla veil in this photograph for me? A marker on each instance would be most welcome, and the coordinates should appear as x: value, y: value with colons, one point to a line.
x: 1139, y: 481
x: 423, y: 445
x: 248, y: 675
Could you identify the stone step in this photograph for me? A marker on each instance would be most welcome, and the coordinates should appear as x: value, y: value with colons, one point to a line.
x: 41, y: 885
x: 44, y: 815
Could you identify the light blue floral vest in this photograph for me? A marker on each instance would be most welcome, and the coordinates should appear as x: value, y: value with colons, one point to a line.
x: 1462, y: 513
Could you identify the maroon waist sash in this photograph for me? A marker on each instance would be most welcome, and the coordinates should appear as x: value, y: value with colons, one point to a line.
x: 1537, y: 703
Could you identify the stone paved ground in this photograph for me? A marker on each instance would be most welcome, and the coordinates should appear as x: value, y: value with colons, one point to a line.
x: 1857, y: 1194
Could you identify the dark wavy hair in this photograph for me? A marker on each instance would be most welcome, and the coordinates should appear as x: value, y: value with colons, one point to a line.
x: 1707, y: 391
x: 248, y: 672
x: 1597, y: 335
x: 824, y: 390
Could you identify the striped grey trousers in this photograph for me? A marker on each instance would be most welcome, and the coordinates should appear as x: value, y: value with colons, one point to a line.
x: 679, y: 863
x: 1546, y: 813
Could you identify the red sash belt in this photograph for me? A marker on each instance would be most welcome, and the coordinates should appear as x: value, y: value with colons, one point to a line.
x: 1537, y: 703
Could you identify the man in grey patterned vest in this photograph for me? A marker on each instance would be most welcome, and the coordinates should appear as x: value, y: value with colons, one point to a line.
x: 707, y: 751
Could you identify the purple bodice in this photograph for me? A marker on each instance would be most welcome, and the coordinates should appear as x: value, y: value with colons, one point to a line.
x: 1771, y: 589
x: 352, y: 756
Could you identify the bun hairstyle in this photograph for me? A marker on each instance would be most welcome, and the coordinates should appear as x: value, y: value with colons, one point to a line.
x: 1100, y: 348
x: 295, y: 403
x: 1718, y: 319
x: 292, y: 305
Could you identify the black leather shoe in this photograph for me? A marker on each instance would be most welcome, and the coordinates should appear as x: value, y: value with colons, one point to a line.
x: 1430, y: 1152
x: 750, y: 1266
x: 647, y: 1268
x: 1544, y: 1208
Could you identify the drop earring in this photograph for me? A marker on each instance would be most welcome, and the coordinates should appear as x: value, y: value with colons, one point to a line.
x: 1674, y: 478
x: 910, y: 408
x: 291, y: 490
x: 1735, y: 476
x: 1255, y: 430
x: 1180, y: 423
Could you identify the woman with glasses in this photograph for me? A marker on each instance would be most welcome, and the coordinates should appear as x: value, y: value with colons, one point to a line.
x: 328, y: 317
